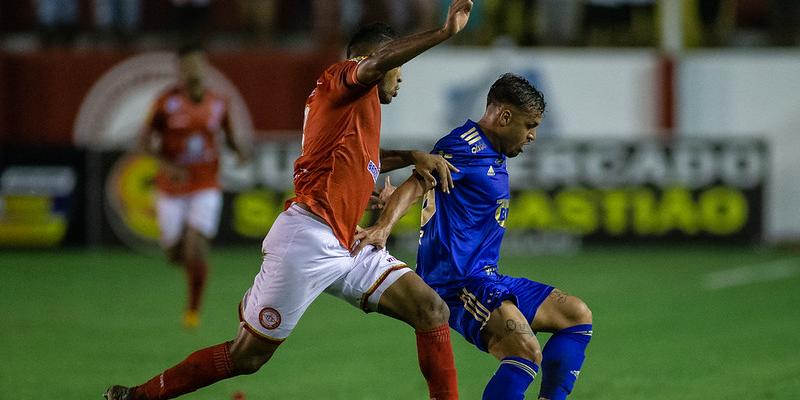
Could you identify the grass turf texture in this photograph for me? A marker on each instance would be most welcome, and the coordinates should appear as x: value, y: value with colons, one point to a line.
x: 74, y: 322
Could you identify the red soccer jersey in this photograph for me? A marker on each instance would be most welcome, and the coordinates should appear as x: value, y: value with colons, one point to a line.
x: 188, y: 138
x: 340, y: 161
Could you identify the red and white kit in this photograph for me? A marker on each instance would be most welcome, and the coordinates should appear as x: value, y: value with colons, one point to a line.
x: 307, y: 250
x: 188, y: 132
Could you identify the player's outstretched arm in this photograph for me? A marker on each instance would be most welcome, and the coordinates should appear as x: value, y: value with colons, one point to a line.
x: 403, y: 197
x: 424, y: 163
x: 399, y: 51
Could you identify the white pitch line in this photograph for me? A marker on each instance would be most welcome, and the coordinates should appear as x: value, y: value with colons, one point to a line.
x: 741, y: 276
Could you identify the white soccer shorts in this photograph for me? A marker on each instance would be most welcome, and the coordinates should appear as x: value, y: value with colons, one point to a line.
x: 303, y: 258
x: 199, y: 210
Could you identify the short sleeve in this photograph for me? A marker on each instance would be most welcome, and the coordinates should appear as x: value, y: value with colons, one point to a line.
x: 341, y: 79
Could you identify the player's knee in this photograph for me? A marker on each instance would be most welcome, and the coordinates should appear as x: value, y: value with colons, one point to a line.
x: 249, y: 364
x: 518, y: 345
x: 528, y: 349
x: 580, y: 313
x: 431, y: 312
x: 174, y: 255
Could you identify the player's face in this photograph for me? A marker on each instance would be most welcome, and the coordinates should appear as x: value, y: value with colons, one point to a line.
x: 520, y: 130
x: 389, y: 85
x: 192, y: 66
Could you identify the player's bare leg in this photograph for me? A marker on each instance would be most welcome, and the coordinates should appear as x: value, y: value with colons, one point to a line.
x: 174, y: 253
x: 509, y: 338
x: 508, y: 334
x: 412, y: 301
x: 559, y: 311
x: 194, y: 258
x: 242, y: 356
x: 570, y: 320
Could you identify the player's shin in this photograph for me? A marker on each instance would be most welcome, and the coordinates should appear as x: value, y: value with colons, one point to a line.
x: 436, y: 361
x: 562, y: 358
x: 200, y: 369
x: 197, y: 275
x: 511, y: 380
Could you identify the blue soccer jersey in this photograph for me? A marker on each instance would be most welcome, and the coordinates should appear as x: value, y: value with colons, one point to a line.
x: 462, y: 231
x: 461, y: 235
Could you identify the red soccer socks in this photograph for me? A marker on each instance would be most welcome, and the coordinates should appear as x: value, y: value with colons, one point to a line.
x: 437, y: 364
x: 200, y: 369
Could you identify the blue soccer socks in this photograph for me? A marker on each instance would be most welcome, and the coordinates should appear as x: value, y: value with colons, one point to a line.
x: 562, y: 358
x: 511, y: 380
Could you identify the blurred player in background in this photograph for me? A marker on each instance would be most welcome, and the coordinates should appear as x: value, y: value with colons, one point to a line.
x: 182, y: 133
x: 460, y: 246
x: 308, y: 248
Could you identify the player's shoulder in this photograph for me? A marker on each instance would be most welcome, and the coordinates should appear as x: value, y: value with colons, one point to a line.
x: 465, y: 143
x: 341, y: 67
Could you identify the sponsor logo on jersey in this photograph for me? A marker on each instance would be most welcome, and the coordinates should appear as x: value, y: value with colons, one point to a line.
x: 269, y: 318
x: 490, y: 172
x: 373, y: 170
x: 478, y: 147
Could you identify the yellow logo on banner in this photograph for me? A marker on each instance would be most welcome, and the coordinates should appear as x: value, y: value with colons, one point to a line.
x: 131, y: 194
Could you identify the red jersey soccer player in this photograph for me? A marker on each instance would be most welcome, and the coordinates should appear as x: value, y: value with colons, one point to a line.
x: 183, y: 126
x: 308, y: 248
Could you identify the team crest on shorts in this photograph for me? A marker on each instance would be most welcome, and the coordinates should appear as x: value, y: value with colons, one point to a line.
x: 269, y: 318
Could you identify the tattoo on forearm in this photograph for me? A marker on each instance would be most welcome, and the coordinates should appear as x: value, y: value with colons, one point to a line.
x: 514, y: 327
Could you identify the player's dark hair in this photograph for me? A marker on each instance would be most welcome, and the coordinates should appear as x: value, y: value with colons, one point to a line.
x: 368, y: 38
x: 517, y: 91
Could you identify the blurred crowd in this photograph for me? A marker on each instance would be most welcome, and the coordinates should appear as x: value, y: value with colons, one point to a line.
x: 293, y: 23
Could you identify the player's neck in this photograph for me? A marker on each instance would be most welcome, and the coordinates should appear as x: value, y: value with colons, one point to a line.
x: 490, y: 134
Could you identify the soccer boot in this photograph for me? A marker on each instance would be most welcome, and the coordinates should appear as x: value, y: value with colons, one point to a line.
x: 118, y: 392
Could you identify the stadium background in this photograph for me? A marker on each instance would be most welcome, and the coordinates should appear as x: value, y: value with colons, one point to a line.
x: 663, y: 190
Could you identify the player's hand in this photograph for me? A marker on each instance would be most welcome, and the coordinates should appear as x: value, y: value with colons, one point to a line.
x: 378, y: 199
x: 426, y: 164
x: 374, y: 235
x: 457, y: 16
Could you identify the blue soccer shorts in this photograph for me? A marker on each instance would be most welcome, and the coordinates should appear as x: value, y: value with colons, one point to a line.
x: 471, y: 304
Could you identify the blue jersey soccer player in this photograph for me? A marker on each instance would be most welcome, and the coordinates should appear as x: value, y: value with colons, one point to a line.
x: 460, y: 244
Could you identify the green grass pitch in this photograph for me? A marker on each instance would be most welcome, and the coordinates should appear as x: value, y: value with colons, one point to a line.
x: 73, y: 322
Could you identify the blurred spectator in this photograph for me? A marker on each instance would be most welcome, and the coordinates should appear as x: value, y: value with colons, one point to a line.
x: 619, y: 22
x: 784, y: 18
x: 407, y: 16
x: 57, y: 20
x: 709, y: 23
x: 559, y: 22
x: 117, y: 18
x: 258, y: 17
x: 190, y: 18
x: 513, y: 20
